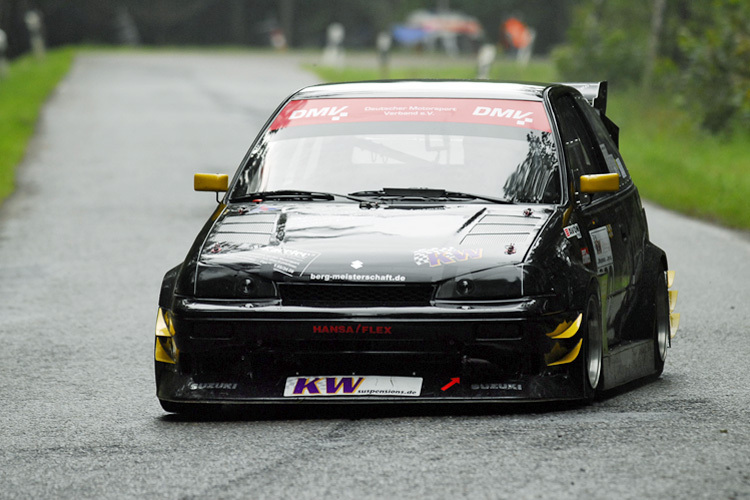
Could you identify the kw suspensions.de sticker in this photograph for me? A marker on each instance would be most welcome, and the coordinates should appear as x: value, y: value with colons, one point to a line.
x: 343, y: 385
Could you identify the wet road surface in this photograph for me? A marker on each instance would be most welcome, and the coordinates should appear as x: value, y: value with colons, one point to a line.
x: 105, y: 206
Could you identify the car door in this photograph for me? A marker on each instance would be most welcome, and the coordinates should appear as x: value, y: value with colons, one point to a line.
x: 630, y: 217
x: 599, y: 216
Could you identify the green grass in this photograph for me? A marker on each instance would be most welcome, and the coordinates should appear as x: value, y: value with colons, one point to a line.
x: 681, y: 167
x: 28, y: 83
x: 505, y: 70
x: 673, y: 163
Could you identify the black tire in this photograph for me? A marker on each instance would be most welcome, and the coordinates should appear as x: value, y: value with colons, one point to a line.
x: 592, y: 349
x: 660, y: 322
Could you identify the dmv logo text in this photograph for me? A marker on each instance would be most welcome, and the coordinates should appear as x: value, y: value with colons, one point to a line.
x: 334, y: 112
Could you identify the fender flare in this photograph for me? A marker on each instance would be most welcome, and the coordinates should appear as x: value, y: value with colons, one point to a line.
x: 166, y: 293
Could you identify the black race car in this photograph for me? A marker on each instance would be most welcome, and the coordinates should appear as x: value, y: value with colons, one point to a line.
x: 419, y: 241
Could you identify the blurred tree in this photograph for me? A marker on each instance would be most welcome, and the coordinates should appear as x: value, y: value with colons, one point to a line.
x: 657, y: 19
x: 716, y: 76
x: 606, y: 41
x: 362, y: 20
x: 250, y: 22
x: 697, y: 50
x: 11, y: 21
x: 286, y: 16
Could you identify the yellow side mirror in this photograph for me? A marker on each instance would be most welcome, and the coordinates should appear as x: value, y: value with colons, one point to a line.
x: 600, y: 183
x: 211, y: 182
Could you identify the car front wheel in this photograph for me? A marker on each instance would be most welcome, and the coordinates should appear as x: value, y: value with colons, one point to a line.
x: 661, y: 322
x: 592, y: 347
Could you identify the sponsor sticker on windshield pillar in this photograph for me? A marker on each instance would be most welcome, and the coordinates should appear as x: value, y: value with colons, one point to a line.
x: 352, y: 385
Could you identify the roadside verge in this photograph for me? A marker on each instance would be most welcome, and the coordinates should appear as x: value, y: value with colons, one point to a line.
x: 23, y: 92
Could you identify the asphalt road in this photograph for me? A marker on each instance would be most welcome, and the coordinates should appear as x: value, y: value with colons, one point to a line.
x: 105, y: 206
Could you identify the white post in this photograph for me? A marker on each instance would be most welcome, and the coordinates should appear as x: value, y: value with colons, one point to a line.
x: 485, y: 58
x: 450, y: 43
x: 3, y: 59
x: 333, y: 55
x: 278, y: 39
x: 34, y: 24
x: 127, y: 30
x: 524, y: 53
x: 383, y: 44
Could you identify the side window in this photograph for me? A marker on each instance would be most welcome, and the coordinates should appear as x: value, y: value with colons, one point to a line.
x: 579, y: 148
x: 606, y: 146
x: 580, y: 153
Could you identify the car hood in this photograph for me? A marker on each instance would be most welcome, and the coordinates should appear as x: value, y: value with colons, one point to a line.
x: 344, y: 242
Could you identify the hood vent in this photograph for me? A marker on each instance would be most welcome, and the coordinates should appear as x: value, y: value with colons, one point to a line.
x: 499, y: 231
x: 243, y: 231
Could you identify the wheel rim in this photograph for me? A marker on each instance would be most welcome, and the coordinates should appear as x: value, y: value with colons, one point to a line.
x: 594, y: 350
x: 662, y: 320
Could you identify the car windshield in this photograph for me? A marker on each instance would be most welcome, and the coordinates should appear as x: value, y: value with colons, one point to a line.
x: 493, y: 148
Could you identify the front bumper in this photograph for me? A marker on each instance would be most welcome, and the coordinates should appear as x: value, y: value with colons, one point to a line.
x: 224, y: 352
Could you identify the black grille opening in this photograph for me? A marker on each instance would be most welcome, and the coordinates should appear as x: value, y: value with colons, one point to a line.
x: 498, y: 331
x: 371, y: 295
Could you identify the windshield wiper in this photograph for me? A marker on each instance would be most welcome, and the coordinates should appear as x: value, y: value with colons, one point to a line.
x: 425, y: 194
x: 291, y: 195
x: 468, y: 196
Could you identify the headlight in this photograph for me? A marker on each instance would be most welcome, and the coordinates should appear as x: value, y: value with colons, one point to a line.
x: 220, y: 282
x: 504, y: 282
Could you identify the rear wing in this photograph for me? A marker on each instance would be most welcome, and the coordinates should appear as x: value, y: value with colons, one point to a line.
x: 596, y: 94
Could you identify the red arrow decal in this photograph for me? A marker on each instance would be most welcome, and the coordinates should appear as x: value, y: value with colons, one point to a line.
x: 450, y: 384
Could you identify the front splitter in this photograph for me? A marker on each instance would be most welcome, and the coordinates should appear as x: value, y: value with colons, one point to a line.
x: 178, y: 388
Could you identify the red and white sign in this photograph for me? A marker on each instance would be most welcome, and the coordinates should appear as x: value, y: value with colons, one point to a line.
x: 523, y: 114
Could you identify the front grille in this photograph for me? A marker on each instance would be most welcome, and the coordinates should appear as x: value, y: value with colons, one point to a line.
x: 371, y: 295
x: 359, y: 346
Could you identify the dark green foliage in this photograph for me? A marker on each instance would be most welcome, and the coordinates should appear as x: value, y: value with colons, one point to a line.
x: 716, y: 77
x: 701, y: 53
x: 606, y: 41
x: 250, y: 22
